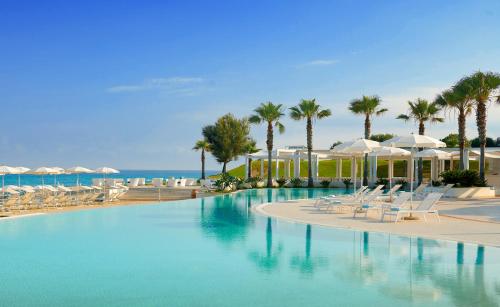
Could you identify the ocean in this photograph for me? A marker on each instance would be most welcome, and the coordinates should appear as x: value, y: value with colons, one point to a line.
x: 86, y: 179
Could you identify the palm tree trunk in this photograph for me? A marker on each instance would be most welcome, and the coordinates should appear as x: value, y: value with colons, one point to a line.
x: 224, y: 164
x: 368, y: 128
x: 269, y: 143
x: 421, y: 131
x: 249, y: 167
x: 461, y: 137
x: 310, y: 182
x: 481, y: 129
x: 203, y: 164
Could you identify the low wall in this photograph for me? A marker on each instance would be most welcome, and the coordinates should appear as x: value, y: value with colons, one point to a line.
x: 152, y: 193
x: 475, y: 192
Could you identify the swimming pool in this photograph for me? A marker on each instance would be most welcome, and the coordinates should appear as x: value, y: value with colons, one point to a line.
x: 217, y: 252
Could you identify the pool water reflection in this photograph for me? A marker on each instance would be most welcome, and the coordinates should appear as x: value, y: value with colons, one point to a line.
x: 217, y: 252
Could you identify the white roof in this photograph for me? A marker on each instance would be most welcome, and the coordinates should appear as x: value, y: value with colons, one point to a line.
x: 414, y: 140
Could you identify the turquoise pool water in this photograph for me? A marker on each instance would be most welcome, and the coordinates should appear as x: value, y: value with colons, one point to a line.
x: 217, y: 252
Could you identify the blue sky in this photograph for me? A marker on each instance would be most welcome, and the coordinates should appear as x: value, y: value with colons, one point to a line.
x: 129, y: 84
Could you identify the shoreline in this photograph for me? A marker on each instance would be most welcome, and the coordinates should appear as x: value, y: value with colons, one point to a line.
x: 451, y: 228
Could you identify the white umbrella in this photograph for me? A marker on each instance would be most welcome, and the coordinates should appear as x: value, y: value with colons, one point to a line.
x: 413, y: 141
x: 105, y: 171
x: 21, y: 170
x: 433, y: 153
x: 78, y: 170
x: 63, y: 188
x: 358, y: 147
x: 27, y: 189
x: 45, y: 187
x: 44, y: 171
x: 4, y: 170
x: 390, y: 153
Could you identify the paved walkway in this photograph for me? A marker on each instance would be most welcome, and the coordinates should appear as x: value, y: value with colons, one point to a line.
x: 466, y: 221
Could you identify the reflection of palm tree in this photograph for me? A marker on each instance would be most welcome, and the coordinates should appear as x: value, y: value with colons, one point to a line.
x: 460, y: 253
x: 365, y: 244
x: 307, y: 265
x: 226, y: 218
x: 269, y: 261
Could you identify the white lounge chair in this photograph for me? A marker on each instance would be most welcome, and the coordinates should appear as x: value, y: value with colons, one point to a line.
x: 172, y: 182
x: 182, y: 182
x: 425, y: 207
x: 157, y: 182
x: 395, y: 206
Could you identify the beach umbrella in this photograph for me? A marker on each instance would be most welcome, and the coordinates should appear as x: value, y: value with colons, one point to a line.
x: 62, y: 188
x: 21, y: 170
x: 390, y: 153
x: 433, y: 153
x: 44, y: 171
x: 105, y: 171
x: 27, y: 189
x: 359, y: 147
x: 5, y: 170
x: 413, y: 141
x: 78, y: 170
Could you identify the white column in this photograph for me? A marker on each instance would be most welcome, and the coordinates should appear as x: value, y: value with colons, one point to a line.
x: 338, y: 169
x: 287, y: 168
x: 296, y: 166
x: 261, y: 168
x: 246, y: 167
x: 451, y: 163
x: 316, y: 167
x: 277, y: 175
x: 466, y: 158
x: 390, y: 171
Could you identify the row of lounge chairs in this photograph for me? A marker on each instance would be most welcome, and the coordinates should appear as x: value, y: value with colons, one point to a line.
x: 40, y: 197
x: 398, y: 206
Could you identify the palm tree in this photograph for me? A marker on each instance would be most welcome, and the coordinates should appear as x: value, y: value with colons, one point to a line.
x: 204, y: 147
x: 367, y: 106
x: 484, y: 88
x: 269, y: 113
x: 309, y: 110
x: 458, y: 98
x: 421, y: 111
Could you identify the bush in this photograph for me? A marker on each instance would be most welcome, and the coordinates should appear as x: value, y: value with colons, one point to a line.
x: 436, y: 183
x: 325, y: 183
x: 227, y: 181
x: 462, y: 178
x: 347, y: 182
x: 253, y: 181
x: 296, y: 182
x: 281, y: 182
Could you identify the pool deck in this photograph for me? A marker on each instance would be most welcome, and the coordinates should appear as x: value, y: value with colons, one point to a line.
x: 469, y: 221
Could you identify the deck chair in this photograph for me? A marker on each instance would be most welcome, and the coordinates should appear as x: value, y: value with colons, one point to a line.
x: 425, y: 207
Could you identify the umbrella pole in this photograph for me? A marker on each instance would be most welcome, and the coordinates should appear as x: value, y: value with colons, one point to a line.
x: 411, y: 217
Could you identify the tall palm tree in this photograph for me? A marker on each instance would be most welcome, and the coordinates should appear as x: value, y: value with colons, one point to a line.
x: 270, y: 114
x: 459, y: 99
x: 484, y: 88
x: 204, y: 147
x: 421, y: 111
x: 367, y: 106
x: 309, y: 110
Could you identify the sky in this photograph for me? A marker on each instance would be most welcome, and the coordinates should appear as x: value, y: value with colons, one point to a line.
x: 130, y: 84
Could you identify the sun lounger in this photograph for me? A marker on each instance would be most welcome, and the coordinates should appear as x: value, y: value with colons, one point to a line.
x: 182, y: 182
x: 171, y: 182
x: 425, y: 207
x: 395, y: 206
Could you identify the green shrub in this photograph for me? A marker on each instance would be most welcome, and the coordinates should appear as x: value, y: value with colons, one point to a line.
x: 436, y: 183
x: 226, y: 180
x: 403, y: 183
x: 281, y: 182
x: 296, y: 182
x: 253, y: 181
x: 462, y: 178
x: 325, y: 183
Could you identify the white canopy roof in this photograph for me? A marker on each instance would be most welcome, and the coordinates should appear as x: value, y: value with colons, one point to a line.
x: 414, y: 140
